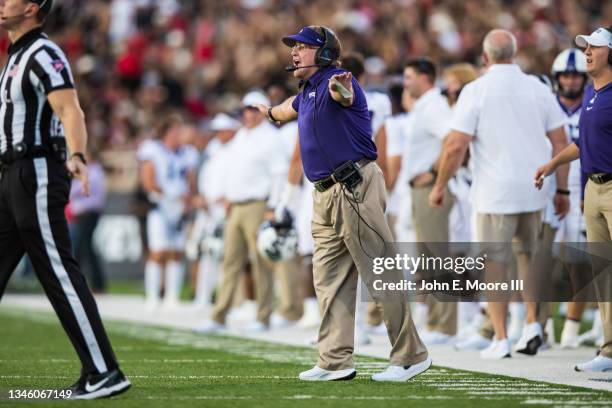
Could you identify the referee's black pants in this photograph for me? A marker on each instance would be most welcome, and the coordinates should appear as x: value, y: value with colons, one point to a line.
x: 33, y: 195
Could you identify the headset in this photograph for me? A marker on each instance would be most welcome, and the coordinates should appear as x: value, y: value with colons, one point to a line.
x: 328, y: 52
x: 609, y: 30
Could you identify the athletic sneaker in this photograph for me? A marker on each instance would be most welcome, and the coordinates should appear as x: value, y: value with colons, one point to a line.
x: 530, y: 340
x: 319, y: 374
x: 254, y: 327
x: 395, y: 373
x: 497, y: 350
x: 474, y: 342
x: 209, y: 326
x: 432, y: 338
x: 599, y: 364
x: 94, y: 386
x: 569, y: 335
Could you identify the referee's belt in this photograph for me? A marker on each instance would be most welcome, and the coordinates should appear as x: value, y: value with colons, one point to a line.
x: 23, y: 151
x: 600, y: 178
x: 328, y: 182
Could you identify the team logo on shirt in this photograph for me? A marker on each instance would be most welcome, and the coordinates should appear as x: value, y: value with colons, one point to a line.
x: 312, y: 94
x: 14, y: 71
x: 58, y: 65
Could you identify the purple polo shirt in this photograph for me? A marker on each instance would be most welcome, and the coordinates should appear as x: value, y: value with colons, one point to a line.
x: 595, y: 130
x: 331, y: 134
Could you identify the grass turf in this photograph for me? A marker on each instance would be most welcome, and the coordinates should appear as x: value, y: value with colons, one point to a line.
x: 177, y: 368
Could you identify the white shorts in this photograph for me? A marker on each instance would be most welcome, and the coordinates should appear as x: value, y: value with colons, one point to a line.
x: 164, y: 234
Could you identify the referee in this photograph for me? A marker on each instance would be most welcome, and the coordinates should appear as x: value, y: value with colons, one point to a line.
x: 39, y: 114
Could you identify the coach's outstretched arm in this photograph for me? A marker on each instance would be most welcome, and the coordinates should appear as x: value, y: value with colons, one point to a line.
x: 280, y: 113
x: 570, y: 153
x: 65, y: 104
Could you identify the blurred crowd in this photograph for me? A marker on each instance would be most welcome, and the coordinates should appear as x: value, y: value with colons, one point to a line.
x: 135, y: 58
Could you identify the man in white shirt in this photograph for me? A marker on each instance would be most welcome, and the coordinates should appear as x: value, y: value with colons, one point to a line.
x: 210, y: 218
x: 252, y: 180
x: 425, y: 131
x: 504, y: 117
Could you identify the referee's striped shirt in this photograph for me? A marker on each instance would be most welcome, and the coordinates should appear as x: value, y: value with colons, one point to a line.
x: 36, y: 66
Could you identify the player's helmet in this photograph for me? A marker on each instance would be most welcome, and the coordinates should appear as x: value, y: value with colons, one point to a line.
x: 571, y: 60
x: 213, y: 244
x: 278, y: 241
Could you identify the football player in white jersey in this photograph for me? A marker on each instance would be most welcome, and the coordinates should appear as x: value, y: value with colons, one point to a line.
x: 167, y: 175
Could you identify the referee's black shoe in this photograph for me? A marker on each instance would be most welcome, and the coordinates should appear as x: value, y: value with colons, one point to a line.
x: 94, y: 386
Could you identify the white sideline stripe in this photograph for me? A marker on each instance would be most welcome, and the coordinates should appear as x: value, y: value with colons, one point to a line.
x: 42, y: 180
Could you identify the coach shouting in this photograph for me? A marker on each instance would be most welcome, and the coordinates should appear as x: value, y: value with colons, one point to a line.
x: 594, y: 148
x: 39, y: 113
x: 348, y: 224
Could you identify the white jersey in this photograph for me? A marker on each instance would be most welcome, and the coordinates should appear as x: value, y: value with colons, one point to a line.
x: 573, y: 227
x: 171, y: 169
x: 379, y: 106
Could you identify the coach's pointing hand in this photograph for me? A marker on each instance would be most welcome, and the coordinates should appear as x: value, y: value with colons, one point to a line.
x: 78, y: 169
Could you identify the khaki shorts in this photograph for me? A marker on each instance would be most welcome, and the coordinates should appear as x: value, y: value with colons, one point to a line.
x: 522, y: 228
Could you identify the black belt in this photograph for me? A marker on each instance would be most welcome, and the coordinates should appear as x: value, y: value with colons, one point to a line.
x: 245, y: 202
x: 22, y: 151
x: 600, y: 178
x: 328, y: 182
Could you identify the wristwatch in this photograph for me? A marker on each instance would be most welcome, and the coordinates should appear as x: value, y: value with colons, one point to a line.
x: 81, y: 157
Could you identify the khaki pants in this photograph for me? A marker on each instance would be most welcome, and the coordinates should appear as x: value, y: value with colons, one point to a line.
x: 431, y: 225
x: 240, y: 247
x: 337, y: 251
x: 598, y: 217
x: 288, y: 275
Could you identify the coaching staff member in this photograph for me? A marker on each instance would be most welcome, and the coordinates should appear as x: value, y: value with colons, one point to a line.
x: 594, y: 149
x: 39, y: 113
x: 335, y: 140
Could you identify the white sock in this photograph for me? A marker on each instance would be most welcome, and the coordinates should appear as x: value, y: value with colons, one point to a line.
x: 153, y: 272
x: 571, y: 329
x: 175, y: 273
x: 208, y: 276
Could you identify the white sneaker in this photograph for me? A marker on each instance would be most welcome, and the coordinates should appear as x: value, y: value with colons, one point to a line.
x: 569, y: 335
x: 599, y: 364
x: 254, y: 327
x: 209, y: 326
x: 361, y: 336
x: 595, y: 335
x: 279, y: 322
x: 432, y: 338
x: 497, y: 350
x: 312, y: 317
x: 319, y: 374
x: 402, y: 374
x: 474, y: 342
x: 530, y: 340
x: 151, y: 304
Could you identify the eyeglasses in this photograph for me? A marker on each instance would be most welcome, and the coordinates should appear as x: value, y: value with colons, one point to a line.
x: 301, y: 47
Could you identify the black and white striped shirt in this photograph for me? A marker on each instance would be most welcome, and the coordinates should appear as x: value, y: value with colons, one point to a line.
x: 36, y: 66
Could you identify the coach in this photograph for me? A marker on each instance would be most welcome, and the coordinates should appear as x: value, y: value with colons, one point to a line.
x: 349, y: 222
x: 505, y: 115
x: 39, y: 113
x: 594, y: 148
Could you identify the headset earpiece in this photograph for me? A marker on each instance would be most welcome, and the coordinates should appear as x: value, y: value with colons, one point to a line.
x: 326, y: 54
x: 609, y: 29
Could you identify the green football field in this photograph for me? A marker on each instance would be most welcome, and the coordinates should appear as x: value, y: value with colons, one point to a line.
x: 177, y: 368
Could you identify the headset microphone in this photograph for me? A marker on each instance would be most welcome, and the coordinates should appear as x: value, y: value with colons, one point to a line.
x: 291, y: 68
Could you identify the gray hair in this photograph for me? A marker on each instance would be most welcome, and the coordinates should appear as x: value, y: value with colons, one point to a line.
x: 499, y: 45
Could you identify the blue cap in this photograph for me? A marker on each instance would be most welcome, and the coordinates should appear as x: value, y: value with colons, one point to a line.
x: 307, y: 36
